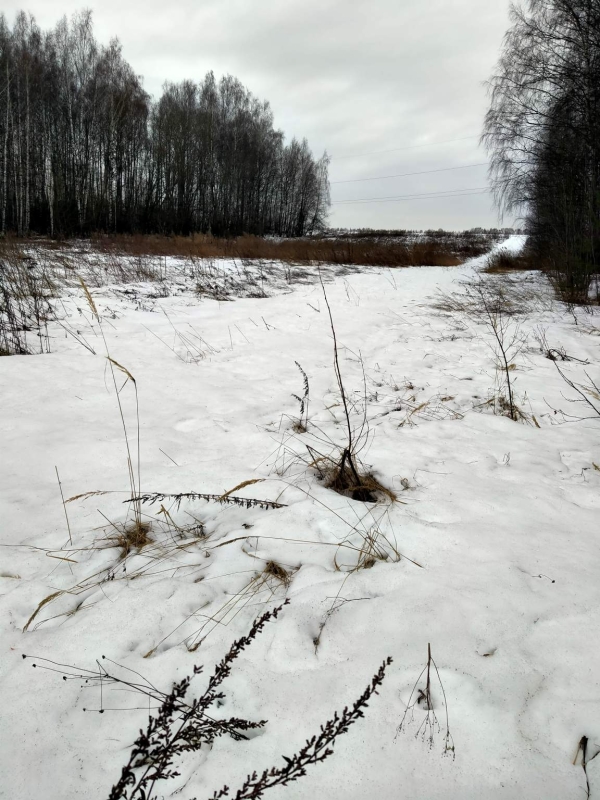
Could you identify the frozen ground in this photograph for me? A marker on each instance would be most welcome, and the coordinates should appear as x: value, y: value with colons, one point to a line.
x: 493, y: 546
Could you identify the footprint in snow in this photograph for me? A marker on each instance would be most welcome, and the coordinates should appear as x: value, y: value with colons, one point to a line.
x: 187, y: 425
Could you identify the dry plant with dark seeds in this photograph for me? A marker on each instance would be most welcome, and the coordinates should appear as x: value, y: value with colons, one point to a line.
x: 244, y: 502
x: 316, y: 749
x: 301, y: 424
x: 180, y: 726
x: 424, y: 699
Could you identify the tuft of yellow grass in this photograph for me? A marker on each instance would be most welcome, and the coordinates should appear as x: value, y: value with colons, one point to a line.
x: 44, y: 602
x: 84, y: 496
x: 133, y: 536
x: 120, y: 367
x: 241, y: 486
x: 278, y: 572
x: 89, y: 298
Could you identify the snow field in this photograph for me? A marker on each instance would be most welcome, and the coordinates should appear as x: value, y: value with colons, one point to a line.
x: 500, y: 517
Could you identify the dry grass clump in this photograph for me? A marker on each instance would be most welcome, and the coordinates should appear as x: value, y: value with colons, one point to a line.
x: 278, y: 572
x: 571, y: 285
x: 502, y: 406
x: 503, y: 261
x: 346, y: 478
x: 372, y: 550
x: 262, y: 588
x: 133, y: 537
x: 368, y: 251
x: 510, y: 295
x: 510, y: 409
x: 172, y: 546
x: 299, y: 427
x: 435, y: 408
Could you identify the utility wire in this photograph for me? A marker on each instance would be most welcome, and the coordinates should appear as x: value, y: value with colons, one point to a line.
x: 427, y: 195
x: 407, y: 174
x: 411, y: 147
x: 404, y: 199
x: 432, y: 196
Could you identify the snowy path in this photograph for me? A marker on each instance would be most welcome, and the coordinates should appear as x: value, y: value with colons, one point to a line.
x: 503, y: 518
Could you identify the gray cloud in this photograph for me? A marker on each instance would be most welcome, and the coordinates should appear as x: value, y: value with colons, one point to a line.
x: 354, y: 77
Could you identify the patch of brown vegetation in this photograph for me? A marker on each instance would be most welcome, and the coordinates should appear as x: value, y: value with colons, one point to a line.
x: 348, y: 480
x: 278, y: 572
x: 384, y: 252
x: 503, y: 261
x: 133, y: 536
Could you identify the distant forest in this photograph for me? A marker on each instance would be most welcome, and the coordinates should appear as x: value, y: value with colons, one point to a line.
x: 84, y: 148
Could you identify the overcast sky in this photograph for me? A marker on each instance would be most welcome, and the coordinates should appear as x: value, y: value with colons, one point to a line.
x: 355, y: 77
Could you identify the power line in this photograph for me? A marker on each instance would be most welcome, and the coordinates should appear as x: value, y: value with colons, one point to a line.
x: 411, y: 147
x: 416, y: 197
x: 428, y: 195
x: 407, y: 174
x: 449, y: 193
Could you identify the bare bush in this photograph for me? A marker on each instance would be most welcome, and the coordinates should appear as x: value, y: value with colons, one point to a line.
x: 423, y: 697
x: 587, y: 394
x: 497, y: 304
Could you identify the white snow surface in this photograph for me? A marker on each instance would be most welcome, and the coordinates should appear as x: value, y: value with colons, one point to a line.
x: 501, y: 518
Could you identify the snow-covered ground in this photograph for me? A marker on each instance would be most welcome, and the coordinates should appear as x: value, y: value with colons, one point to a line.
x: 493, y: 545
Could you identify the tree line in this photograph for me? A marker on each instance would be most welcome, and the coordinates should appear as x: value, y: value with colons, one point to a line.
x: 84, y: 148
x: 543, y: 133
